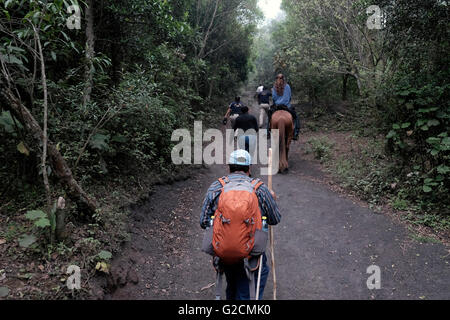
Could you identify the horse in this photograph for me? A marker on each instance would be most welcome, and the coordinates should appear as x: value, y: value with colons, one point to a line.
x: 282, y: 120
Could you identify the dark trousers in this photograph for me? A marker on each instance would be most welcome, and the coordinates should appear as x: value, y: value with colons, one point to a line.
x: 238, y: 283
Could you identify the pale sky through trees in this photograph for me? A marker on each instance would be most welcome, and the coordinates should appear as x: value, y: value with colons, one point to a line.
x: 270, y: 8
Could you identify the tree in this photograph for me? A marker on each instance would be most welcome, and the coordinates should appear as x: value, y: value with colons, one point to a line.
x: 332, y: 38
x: 25, y: 39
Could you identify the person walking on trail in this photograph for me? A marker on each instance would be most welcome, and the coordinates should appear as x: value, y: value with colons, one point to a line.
x: 258, y: 91
x: 235, y: 212
x: 234, y: 110
x: 264, y: 104
x: 281, y: 95
x: 248, y: 125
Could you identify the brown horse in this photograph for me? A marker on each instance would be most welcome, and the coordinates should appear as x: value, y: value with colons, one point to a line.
x: 282, y: 120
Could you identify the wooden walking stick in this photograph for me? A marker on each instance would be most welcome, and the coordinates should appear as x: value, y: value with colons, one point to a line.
x: 258, y: 283
x: 271, y: 232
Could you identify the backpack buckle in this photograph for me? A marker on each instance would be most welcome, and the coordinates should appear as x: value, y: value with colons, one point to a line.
x: 249, y: 222
x: 224, y: 220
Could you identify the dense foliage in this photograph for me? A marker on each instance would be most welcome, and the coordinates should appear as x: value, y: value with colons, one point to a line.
x: 87, y: 114
x: 119, y: 86
x: 394, y: 67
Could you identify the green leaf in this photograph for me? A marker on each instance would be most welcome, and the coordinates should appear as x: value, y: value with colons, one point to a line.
x: 13, y: 59
x: 26, y: 240
x: 405, y: 125
x: 7, y: 122
x: 446, y: 141
x: 391, y: 134
x: 427, y: 189
x: 119, y: 138
x: 99, y: 141
x: 395, y: 126
x: 4, y: 292
x: 427, y: 110
x: 42, y: 223
x: 35, y: 214
x: 105, y: 255
x: 433, y: 123
x: 65, y: 36
x: 22, y: 149
x: 421, y: 122
x: 52, y: 217
x: 404, y: 93
x: 433, y: 140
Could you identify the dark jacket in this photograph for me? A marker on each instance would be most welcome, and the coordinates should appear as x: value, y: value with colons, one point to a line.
x: 264, y: 97
x: 245, y: 122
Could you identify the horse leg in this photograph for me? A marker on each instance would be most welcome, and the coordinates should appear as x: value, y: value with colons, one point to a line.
x: 282, y: 140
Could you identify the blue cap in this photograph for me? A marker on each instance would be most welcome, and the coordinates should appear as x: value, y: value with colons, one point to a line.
x: 240, y: 158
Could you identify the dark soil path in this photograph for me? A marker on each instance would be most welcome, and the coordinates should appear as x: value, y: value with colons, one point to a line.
x: 324, y: 245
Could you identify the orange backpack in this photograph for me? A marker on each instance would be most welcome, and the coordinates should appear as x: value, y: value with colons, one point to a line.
x: 236, y: 219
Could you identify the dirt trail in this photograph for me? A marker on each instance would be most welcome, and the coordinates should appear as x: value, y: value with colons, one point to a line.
x: 324, y: 245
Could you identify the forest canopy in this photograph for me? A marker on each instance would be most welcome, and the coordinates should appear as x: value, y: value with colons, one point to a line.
x: 106, y: 91
x: 389, y: 59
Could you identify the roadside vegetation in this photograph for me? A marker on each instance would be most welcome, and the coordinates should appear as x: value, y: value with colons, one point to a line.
x: 376, y: 91
x: 87, y: 111
x: 360, y: 165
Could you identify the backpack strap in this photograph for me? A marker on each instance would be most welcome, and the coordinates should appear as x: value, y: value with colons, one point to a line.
x: 224, y: 180
x: 219, y: 277
x: 252, y: 285
x: 219, y: 281
x: 250, y: 270
x: 257, y: 183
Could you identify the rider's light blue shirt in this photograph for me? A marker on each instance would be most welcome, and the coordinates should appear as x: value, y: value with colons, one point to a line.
x: 284, y: 99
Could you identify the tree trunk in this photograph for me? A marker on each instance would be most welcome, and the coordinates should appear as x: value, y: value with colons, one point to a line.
x: 211, y: 86
x: 344, y: 86
x: 207, y: 34
x: 58, y: 163
x: 358, y: 82
x: 89, y: 53
x: 44, y: 131
x: 60, y: 228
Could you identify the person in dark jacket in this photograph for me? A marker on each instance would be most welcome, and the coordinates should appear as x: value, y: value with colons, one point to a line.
x: 249, y: 125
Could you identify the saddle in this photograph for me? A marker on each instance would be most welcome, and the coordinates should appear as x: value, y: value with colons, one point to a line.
x: 280, y: 107
x: 275, y: 108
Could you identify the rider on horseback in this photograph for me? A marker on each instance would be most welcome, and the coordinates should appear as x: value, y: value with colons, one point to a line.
x: 281, y: 95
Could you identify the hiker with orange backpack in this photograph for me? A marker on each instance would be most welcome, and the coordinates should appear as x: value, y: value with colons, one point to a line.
x: 234, y: 211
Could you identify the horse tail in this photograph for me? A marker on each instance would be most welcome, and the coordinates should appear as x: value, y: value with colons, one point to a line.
x: 282, y: 144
